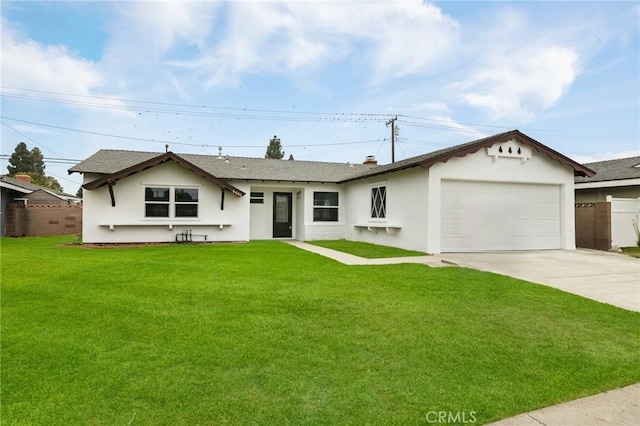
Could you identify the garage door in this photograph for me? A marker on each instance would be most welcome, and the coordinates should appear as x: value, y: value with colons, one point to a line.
x: 485, y: 216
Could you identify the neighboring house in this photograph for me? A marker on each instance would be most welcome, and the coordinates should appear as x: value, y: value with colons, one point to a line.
x: 12, y: 189
x: 20, y: 191
x: 608, y: 205
x: 617, y: 178
x: 504, y: 192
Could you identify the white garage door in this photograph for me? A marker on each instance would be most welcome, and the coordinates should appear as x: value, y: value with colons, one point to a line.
x: 485, y: 216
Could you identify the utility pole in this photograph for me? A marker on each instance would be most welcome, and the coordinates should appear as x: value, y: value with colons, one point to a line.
x: 392, y: 121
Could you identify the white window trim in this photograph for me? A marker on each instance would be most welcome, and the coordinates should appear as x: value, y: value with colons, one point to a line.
x: 261, y: 199
x: 371, y: 188
x: 172, y: 201
x: 337, y: 207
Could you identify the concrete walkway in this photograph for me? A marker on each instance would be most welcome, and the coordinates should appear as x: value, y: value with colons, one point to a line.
x: 349, y: 259
x: 619, y: 407
x: 606, y: 277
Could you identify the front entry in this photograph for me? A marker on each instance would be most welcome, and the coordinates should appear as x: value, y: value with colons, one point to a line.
x: 282, y: 215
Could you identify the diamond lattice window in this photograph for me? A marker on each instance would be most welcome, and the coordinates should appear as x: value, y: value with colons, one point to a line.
x: 379, y: 202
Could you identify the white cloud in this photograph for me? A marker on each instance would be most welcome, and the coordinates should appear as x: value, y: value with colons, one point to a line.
x: 153, y: 28
x: 603, y: 156
x: 26, y: 63
x: 517, y: 84
x: 388, y: 39
x: 469, y: 132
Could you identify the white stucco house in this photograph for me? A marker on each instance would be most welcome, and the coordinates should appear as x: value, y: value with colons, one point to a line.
x: 504, y: 192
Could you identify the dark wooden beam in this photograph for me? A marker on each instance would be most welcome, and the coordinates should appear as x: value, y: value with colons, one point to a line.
x: 110, y: 184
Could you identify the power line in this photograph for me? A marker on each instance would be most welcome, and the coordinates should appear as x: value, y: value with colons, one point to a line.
x: 48, y: 159
x: 237, y: 113
x: 272, y: 114
x: 179, y: 143
x: 27, y: 137
x: 198, y: 110
x: 411, y: 121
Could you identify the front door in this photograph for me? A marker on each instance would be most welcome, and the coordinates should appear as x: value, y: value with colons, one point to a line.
x: 282, y: 222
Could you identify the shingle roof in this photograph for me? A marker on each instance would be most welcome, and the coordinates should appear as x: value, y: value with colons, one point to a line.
x: 111, y: 161
x: 244, y: 168
x: 623, y: 168
x: 443, y: 155
x: 110, y: 179
x: 19, y: 183
x: 33, y: 187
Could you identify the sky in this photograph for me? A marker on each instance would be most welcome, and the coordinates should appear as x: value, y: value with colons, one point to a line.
x: 326, y: 77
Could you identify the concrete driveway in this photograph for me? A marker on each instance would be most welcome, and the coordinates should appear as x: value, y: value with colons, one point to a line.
x: 607, y: 277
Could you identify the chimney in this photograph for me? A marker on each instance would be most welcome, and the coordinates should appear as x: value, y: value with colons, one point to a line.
x: 370, y: 159
x: 23, y: 178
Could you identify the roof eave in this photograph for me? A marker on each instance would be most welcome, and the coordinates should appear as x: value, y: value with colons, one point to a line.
x: 156, y: 161
x: 465, y: 149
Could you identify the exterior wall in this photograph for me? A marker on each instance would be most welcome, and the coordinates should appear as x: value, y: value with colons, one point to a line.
x: 126, y: 222
x: 261, y: 215
x: 304, y: 228
x: 593, y: 195
x: 6, y: 196
x: 324, y: 230
x: 406, y: 212
x: 40, y: 220
x: 480, y: 166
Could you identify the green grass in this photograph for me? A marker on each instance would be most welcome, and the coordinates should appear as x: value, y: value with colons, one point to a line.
x: 264, y: 333
x: 366, y: 250
x: 631, y: 251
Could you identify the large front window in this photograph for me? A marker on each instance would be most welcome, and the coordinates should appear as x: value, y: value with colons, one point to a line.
x: 325, y: 206
x: 379, y: 202
x: 186, y: 202
x: 158, y: 202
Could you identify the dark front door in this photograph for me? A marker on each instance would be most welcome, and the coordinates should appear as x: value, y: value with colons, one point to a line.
x: 282, y: 223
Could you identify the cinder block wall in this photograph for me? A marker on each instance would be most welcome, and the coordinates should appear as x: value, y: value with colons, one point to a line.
x: 42, y: 220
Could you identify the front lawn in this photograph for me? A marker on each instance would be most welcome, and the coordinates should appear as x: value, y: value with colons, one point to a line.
x: 631, y: 251
x: 366, y: 250
x: 265, y: 333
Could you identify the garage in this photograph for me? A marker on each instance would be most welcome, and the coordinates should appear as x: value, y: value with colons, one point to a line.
x: 491, y: 216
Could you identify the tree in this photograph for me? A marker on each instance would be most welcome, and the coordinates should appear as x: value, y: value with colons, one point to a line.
x: 274, y: 150
x: 38, y: 160
x: 291, y: 157
x: 24, y: 161
x: 44, y: 181
x: 31, y: 162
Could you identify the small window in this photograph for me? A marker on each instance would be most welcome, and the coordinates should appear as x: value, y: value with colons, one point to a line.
x: 156, y: 202
x: 325, y: 206
x: 256, y: 198
x: 379, y: 202
x: 186, y: 200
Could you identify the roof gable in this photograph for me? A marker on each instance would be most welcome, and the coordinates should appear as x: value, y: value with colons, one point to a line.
x: 444, y: 155
x: 112, y: 178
